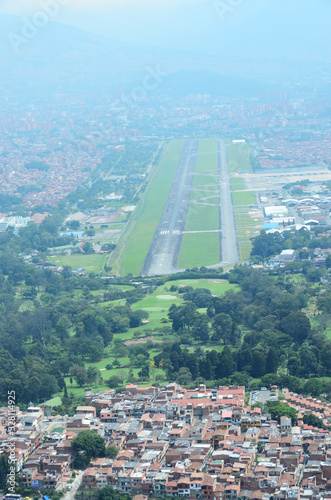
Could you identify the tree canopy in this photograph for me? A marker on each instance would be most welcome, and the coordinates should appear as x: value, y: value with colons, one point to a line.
x: 89, y: 442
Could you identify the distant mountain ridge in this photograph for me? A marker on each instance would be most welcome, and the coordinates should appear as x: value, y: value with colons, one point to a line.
x: 59, y: 57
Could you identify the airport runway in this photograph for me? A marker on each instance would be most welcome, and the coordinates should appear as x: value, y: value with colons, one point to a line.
x: 162, y: 257
x: 228, y: 243
x: 164, y: 251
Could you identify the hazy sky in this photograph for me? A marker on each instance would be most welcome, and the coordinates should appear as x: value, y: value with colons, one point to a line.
x: 280, y: 26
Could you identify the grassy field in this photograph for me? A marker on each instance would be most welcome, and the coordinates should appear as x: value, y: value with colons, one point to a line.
x: 93, y: 263
x: 207, y: 159
x: 157, y: 305
x: 245, y: 249
x: 238, y: 155
x: 243, y: 198
x: 208, y: 146
x: 206, y: 196
x: 160, y: 299
x: 205, y: 180
x: 138, y: 235
x: 202, y: 217
x: 209, y: 192
x: 200, y: 249
x: 237, y: 183
x: 53, y: 402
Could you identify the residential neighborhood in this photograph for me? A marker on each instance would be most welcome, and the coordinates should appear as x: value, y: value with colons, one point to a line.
x: 198, y: 443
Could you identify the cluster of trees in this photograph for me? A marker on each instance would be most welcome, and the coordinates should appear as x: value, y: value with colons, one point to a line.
x: 269, y: 310
x: 185, y: 367
x: 58, y: 334
x: 39, y: 350
x: 278, y: 410
x: 252, y: 367
x: 262, y: 305
x: 32, y: 378
x: 315, y: 387
x: 37, y: 165
x: 8, y: 201
x: 34, y: 238
x: 131, y: 296
x: 42, y: 346
x: 108, y: 493
x: 314, y: 421
x: 195, y: 273
x: 262, y: 327
x: 266, y: 245
x: 324, y: 303
x: 139, y: 355
x: 255, y: 163
x: 88, y: 445
x: 291, y: 185
x: 201, y: 297
x: 4, y: 470
x: 30, y: 188
x: 189, y: 323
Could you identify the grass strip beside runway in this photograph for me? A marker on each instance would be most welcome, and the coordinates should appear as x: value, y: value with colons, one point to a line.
x: 203, y: 249
x: 199, y: 249
x: 207, y: 159
x: 243, y: 198
x: 203, y: 217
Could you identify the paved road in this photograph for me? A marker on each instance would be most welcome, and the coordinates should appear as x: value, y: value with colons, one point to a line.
x: 229, y: 248
x: 163, y: 254
x: 70, y: 494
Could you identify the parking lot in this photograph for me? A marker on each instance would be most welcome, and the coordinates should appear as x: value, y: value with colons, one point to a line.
x: 263, y: 396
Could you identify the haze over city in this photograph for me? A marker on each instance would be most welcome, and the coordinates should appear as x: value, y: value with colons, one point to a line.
x: 165, y: 249
x: 282, y: 28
